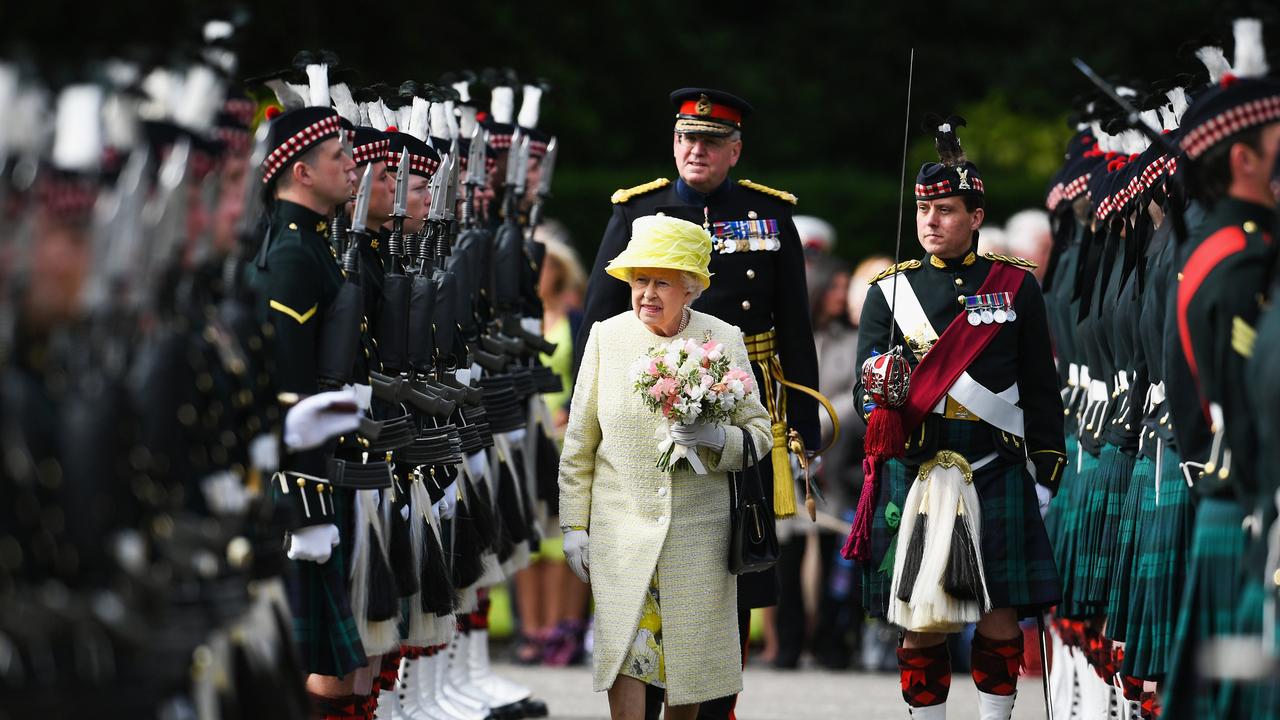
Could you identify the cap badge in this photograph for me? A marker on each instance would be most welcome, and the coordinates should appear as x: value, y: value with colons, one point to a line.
x: 704, y: 105
x: 964, y: 179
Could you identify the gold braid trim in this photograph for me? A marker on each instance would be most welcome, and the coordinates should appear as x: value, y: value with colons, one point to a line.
x: 780, y: 194
x: 626, y: 194
x: 892, y: 269
x: 1011, y: 260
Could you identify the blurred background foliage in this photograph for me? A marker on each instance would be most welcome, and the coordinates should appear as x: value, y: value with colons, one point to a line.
x: 828, y: 79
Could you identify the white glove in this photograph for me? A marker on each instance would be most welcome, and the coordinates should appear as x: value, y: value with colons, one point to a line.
x: 477, y: 462
x: 447, y: 506
x: 1043, y: 496
x: 699, y: 434
x: 319, y: 418
x: 225, y: 493
x: 313, y: 543
x: 575, y: 552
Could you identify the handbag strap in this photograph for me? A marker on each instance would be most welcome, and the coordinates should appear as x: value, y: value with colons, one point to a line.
x: 750, y: 471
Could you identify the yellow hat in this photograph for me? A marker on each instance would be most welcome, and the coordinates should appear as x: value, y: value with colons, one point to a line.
x: 658, y: 241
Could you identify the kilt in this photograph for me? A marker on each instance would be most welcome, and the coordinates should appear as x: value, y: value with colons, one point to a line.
x: 1209, y: 605
x: 1133, y: 516
x: 1092, y: 558
x: 1161, y: 571
x: 1016, y: 555
x: 1070, y: 505
x: 1055, y: 517
x: 323, y: 625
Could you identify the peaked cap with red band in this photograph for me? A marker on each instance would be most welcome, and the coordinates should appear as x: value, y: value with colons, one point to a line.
x: 709, y: 112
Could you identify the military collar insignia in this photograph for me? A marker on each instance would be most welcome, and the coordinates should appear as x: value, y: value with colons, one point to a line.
x: 970, y: 258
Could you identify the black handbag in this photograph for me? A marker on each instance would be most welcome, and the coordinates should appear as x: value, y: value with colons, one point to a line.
x: 753, y: 537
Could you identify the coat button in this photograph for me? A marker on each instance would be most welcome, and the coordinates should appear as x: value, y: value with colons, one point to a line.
x: 751, y: 215
x: 662, y: 492
x: 751, y: 274
x: 960, y: 299
x: 746, y: 304
x: 959, y: 281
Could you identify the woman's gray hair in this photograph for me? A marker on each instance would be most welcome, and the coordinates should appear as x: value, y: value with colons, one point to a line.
x: 691, y: 283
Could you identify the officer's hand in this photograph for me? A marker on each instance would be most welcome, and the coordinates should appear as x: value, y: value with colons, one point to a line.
x: 575, y: 552
x: 313, y: 544
x: 319, y: 418
x: 699, y: 434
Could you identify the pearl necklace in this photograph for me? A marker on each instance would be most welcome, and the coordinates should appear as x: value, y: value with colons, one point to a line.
x: 684, y: 319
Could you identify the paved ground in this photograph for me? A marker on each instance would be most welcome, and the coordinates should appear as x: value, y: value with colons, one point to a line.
x: 778, y: 695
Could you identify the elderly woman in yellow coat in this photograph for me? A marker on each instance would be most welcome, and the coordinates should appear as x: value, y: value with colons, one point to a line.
x: 654, y: 544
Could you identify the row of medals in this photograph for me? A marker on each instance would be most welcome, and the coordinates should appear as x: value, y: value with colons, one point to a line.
x: 995, y: 310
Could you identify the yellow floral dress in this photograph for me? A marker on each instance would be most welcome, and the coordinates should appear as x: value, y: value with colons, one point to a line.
x: 644, y: 657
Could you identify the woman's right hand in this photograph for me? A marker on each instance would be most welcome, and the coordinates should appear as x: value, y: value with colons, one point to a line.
x: 575, y: 552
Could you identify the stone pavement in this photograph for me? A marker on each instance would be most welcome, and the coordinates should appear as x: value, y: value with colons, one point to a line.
x: 778, y: 695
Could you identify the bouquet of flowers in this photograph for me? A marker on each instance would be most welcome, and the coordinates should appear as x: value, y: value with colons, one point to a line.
x: 688, y: 382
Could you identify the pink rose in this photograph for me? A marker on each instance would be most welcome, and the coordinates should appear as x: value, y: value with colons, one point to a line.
x: 653, y: 368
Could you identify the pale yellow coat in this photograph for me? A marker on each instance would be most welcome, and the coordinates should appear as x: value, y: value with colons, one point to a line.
x: 640, y: 518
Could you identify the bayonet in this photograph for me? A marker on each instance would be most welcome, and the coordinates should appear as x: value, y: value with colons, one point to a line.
x: 360, y: 214
x: 516, y: 169
x: 400, y: 209
x: 546, y: 170
x: 476, y: 175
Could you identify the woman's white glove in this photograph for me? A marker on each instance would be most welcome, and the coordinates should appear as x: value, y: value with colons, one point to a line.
x: 575, y: 552
x: 699, y: 434
x: 313, y: 543
x: 318, y: 418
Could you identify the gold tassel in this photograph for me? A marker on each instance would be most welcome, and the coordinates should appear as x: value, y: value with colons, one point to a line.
x: 784, y: 494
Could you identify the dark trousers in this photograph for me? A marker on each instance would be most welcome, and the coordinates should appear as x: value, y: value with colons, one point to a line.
x: 839, y: 617
x: 718, y: 709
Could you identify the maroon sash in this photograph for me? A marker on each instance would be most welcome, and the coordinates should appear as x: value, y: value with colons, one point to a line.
x: 957, y: 348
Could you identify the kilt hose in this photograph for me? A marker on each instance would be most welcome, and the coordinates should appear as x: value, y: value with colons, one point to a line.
x: 323, y: 625
x: 1160, y: 572
x: 1016, y: 555
x: 1209, y: 606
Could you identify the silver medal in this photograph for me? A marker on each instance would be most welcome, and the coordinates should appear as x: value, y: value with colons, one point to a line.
x: 1000, y: 315
x: 1011, y: 315
x: 987, y: 317
x: 974, y: 319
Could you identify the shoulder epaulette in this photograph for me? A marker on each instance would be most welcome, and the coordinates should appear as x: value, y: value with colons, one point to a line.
x: 1011, y: 260
x: 894, y: 269
x: 622, y: 196
x: 780, y: 194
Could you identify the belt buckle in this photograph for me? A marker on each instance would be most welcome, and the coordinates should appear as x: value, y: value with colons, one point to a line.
x: 946, y: 459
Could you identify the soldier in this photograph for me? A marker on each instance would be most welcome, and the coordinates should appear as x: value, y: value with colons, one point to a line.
x: 1231, y: 137
x: 990, y: 408
x: 760, y: 287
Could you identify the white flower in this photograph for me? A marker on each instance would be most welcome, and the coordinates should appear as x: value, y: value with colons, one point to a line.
x: 715, y: 355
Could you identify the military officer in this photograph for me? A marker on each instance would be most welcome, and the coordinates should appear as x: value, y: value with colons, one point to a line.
x: 760, y: 282
x: 1231, y: 137
x: 1001, y: 414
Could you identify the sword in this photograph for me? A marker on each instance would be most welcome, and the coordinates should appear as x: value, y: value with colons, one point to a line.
x: 1044, y: 665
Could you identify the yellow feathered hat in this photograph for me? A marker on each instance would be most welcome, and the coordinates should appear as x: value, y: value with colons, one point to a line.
x: 658, y: 241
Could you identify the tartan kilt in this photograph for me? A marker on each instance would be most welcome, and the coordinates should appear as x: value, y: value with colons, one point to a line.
x: 1070, y: 503
x: 1016, y: 555
x: 1055, y: 518
x: 324, y: 627
x: 1209, y: 606
x: 1161, y: 571
x: 1087, y: 586
x: 1133, y: 515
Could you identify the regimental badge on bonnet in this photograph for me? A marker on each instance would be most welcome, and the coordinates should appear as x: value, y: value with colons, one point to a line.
x: 703, y: 106
x: 953, y: 174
